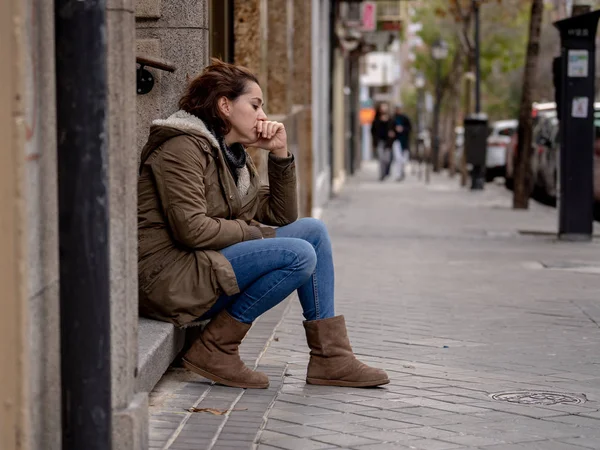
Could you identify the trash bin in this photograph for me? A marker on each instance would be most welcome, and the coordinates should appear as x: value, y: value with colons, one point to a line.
x: 476, y: 133
x: 475, y: 147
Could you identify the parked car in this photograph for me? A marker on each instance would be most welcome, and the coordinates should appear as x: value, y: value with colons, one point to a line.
x: 597, y: 171
x: 539, y: 112
x: 545, y: 170
x: 511, y: 152
x: 458, y: 149
x: 497, y: 143
x: 548, y: 156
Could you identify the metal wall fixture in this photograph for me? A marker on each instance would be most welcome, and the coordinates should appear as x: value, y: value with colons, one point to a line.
x: 144, y: 78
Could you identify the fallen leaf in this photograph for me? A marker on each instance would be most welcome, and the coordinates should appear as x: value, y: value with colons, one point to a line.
x: 216, y: 412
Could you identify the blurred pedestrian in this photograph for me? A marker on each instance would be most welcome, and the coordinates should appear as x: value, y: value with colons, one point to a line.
x: 382, y: 131
x: 216, y: 244
x: 402, y: 128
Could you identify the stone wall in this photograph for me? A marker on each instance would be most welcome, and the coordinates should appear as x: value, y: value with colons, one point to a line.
x: 177, y: 32
x: 250, y: 50
x: 130, y: 411
x: 38, y: 183
x: 301, y: 99
x: 251, y: 34
x: 279, y: 56
x: 321, y: 79
x: 301, y: 86
x: 13, y: 370
x: 273, y: 39
x: 41, y: 228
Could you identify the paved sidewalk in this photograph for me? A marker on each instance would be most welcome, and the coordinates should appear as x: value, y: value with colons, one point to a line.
x: 489, y: 328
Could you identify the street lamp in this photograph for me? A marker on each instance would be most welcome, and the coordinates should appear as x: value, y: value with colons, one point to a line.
x: 419, y: 81
x: 439, y: 52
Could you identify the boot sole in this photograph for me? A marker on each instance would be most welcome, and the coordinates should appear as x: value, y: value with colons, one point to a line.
x: 217, y: 379
x: 340, y: 383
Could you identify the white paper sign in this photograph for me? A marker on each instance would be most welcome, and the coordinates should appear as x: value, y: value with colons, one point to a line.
x: 580, y: 107
x: 578, y: 64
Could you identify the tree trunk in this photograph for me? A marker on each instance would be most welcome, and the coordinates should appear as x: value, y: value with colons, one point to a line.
x: 468, y: 109
x: 454, y: 113
x: 523, y: 179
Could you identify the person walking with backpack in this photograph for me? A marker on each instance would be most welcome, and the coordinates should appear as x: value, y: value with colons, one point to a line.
x: 383, y: 134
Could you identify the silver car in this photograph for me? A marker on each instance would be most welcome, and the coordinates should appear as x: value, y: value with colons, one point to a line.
x: 497, y: 143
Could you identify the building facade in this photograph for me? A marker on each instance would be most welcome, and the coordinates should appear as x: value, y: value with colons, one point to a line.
x: 286, y: 42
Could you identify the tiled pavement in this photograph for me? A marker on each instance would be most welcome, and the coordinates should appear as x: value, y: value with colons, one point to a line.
x: 447, y: 290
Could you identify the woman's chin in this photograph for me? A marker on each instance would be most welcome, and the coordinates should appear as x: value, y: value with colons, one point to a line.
x: 249, y: 142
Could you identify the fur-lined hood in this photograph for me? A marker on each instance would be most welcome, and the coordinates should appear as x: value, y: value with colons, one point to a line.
x: 178, y: 123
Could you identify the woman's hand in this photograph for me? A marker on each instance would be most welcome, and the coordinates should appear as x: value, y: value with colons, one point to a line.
x: 272, y: 137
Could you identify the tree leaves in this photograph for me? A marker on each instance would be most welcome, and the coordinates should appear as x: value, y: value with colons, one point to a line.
x: 502, y: 50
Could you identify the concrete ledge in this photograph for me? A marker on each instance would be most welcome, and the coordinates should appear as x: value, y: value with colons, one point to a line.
x: 130, y: 425
x: 158, y: 345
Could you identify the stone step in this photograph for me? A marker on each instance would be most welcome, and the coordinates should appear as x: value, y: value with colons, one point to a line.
x: 158, y: 345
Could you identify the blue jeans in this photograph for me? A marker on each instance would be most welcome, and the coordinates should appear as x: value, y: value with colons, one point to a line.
x: 269, y: 270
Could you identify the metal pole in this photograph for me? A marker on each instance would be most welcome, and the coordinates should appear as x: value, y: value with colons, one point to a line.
x: 420, y: 146
x: 436, y: 116
x: 81, y: 88
x: 333, y: 11
x: 477, y: 59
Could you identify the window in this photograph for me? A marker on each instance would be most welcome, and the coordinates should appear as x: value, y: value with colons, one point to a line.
x: 506, y: 132
x: 221, y: 29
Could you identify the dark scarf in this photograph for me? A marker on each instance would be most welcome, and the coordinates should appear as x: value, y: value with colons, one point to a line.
x: 235, y: 156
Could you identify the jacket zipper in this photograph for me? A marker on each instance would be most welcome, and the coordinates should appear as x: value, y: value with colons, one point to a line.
x: 216, y: 156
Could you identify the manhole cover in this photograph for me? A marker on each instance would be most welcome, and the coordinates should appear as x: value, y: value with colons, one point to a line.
x: 538, y: 398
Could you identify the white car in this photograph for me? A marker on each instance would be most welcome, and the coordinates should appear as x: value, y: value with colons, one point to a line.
x: 497, y: 143
x: 460, y: 147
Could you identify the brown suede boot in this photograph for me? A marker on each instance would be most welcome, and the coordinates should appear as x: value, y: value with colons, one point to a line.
x: 332, y: 362
x: 214, y: 355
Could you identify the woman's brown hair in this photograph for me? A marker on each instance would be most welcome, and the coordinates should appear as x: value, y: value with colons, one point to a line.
x: 217, y: 80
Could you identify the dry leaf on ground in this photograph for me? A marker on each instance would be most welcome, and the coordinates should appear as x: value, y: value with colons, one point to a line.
x: 216, y: 412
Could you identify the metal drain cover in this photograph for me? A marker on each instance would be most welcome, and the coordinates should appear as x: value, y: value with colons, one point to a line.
x: 544, y: 398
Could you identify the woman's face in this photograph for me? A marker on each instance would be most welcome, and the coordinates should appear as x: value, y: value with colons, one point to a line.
x: 244, y: 113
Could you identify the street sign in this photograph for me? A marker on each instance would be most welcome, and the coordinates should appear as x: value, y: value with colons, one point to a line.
x: 578, y: 63
x: 580, y: 107
x: 389, y: 25
x: 369, y: 16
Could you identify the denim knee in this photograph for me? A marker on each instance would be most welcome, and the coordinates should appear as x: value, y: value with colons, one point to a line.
x: 316, y: 230
x: 307, y: 257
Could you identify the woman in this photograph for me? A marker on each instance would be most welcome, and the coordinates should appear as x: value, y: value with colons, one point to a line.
x: 402, y: 129
x: 383, y: 134
x: 207, y: 249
